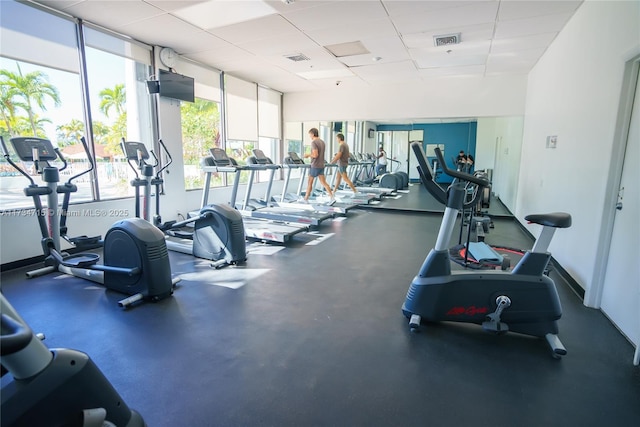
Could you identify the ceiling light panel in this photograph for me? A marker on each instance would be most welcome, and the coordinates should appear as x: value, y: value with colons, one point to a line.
x: 347, y: 49
x: 215, y: 14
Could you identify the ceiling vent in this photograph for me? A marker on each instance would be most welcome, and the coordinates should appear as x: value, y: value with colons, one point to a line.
x: 446, y: 39
x: 297, y: 57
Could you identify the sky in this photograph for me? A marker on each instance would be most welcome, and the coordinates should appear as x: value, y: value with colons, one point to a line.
x: 107, y: 71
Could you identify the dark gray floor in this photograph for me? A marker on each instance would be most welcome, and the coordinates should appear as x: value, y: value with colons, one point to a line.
x: 417, y: 199
x: 313, y: 335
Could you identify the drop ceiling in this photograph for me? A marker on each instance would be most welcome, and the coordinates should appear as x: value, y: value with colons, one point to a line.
x: 364, y: 43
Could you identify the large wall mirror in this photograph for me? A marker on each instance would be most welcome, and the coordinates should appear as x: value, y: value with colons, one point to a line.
x: 494, y: 142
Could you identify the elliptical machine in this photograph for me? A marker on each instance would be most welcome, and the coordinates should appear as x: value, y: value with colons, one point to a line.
x: 59, y: 386
x: 524, y: 301
x: 218, y: 231
x: 136, y: 261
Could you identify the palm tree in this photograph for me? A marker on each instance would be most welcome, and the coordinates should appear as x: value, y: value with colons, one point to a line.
x: 70, y: 133
x: 25, y: 126
x: 8, y: 104
x: 33, y: 88
x: 113, y: 98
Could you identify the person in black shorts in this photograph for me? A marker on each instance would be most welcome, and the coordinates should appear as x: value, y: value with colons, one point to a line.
x: 342, y: 159
x: 317, y: 166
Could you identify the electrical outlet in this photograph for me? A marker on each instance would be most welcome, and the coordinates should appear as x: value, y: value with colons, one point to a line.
x: 552, y: 141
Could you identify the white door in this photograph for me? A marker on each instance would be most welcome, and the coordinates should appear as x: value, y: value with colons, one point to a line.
x: 621, y: 287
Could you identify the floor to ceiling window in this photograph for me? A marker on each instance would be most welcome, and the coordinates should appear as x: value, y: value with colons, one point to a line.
x: 41, y: 95
x: 117, y: 71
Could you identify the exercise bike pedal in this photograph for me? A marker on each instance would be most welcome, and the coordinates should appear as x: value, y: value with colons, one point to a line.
x: 493, y: 323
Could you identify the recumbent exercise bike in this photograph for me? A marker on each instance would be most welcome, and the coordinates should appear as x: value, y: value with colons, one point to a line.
x: 524, y: 301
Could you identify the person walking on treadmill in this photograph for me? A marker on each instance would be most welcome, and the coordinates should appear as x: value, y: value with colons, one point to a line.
x: 342, y: 159
x: 317, y: 165
x: 382, y: 162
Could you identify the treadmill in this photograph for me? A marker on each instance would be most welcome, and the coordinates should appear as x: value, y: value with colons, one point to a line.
x: 293, y: 213
x: 361, y: 167
x: 341, y: 207
x: 255, y: 228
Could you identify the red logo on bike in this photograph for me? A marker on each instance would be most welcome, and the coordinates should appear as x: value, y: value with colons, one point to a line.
x: 472, y: 310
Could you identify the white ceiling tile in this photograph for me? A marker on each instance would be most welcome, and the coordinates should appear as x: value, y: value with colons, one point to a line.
x: 527, y: 9
x: 60, y: 4
x: 395, y: 71
x: 179, y: 35
x: 336, y: 15
x: 413, y: 7
x: 472, y: 14
x: 468, y: 70
x: 529, y: 26
x: 520, y: 43
x: 479, y: 47
x: 280, y: 45
x: 256, y: 29
x: 449, y: 60
x: 358, y: 30
x: 106, y: 14
x: 171, y: 5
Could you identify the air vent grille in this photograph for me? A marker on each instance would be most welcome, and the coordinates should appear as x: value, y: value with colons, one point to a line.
x: 297, y: 57
x: 446, y: 39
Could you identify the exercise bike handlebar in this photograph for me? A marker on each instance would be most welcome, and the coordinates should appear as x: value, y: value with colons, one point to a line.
x: 483, y: 182
x: 15, y: 335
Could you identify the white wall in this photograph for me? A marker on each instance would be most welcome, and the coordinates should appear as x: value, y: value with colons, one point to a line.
x: 440, y: 98
x: 573, y: 92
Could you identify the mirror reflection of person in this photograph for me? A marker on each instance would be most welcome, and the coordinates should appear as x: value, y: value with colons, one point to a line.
x: 464, y: 162
x: 342, y: 159
x: 317, y: 166
x: 382, y: 162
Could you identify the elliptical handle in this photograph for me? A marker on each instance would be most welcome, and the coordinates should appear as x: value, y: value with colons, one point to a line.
x: 457, y: 174
x: 7, y: 157
x: 166, y: 152
x: 89, y: 158
x: 62, y: 159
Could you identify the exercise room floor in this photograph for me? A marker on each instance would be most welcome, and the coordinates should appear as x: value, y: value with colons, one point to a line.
x: 313, y: 335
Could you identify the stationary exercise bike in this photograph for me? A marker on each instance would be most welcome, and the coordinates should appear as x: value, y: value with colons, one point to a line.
x: 524, y: 301
x: 218, y: 231
x: 136, y: 262
x: 53, y: 387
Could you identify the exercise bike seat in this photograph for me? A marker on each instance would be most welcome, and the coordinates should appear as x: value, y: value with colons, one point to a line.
x: 80, y: 260
x: 553, y: 219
